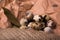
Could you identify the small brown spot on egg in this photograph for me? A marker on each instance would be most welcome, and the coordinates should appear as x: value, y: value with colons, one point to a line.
x: 55, y: 5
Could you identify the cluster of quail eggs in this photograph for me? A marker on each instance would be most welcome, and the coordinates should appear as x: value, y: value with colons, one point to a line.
x: 37, y: 22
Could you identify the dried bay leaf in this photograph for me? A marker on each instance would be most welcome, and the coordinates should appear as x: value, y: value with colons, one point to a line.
x: 11, y: 17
